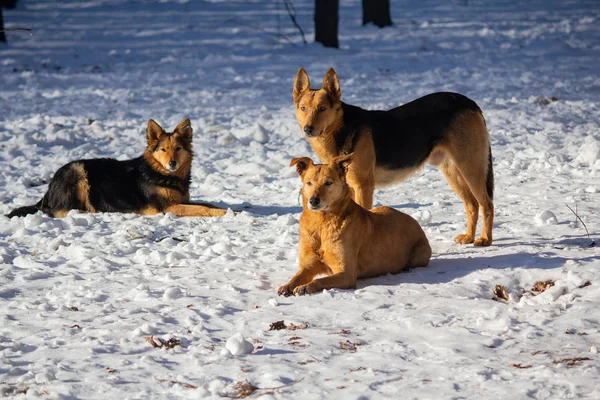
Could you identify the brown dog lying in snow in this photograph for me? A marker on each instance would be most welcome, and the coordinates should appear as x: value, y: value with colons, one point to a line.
x: 342, y: 240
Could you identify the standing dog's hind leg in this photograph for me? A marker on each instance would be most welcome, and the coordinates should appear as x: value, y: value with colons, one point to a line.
x: 477, y: 179
x: 479, y: 190
x: 459, y: 185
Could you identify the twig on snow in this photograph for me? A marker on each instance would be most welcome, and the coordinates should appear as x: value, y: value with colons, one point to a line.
x: 18, y: 29
x: 520, y: 366
x: 571, y: 362
x: 184, y: 384
x: 593, y: 243
x: 244, y: 389
x: 500, y: 293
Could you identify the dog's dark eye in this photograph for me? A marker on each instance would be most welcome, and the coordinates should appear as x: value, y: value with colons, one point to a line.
x: 328, y: 183
x: 321, y: 109
x: 163, y: 150
x: 308, y: 183
x: 177, y: 148
x: 303, y: 108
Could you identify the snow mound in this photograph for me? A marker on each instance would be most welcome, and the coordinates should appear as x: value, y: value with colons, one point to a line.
x: 238, y: 345
x: 423, y: 216
x: 589, y: 153
x: 256, y: 132
x: 173, y: 293
x: 546, y: 217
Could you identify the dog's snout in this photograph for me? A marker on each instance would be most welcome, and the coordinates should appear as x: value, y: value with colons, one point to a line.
x: 172, y: 164
x: 314, y: 201
x: 308, y: 129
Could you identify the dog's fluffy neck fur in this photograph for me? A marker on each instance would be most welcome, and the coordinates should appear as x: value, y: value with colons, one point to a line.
x: 179, y: 180
x: 326, y: 144
x: 183, y: 172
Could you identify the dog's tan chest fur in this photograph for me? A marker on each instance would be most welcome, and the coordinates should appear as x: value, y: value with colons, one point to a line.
x: 172, y: 196
x: 323, y: 234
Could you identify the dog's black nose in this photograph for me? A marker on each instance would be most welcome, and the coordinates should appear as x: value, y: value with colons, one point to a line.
x: 314, y: 201
x: 309, y: 129
x: 172, y: 164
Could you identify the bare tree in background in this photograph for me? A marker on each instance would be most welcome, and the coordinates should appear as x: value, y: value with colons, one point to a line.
x: 326, y: 22
x: 6, y: 4
x: 377, y: 12
x: 2, y: 35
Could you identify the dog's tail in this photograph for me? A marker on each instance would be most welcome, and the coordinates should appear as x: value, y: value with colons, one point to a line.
x: 489, y: 179
x: 23, y: 211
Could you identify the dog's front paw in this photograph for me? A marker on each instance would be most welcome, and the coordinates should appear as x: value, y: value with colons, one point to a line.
x: 285, y: 290
x: 464, y: 239
x: 482, y: 241
x: 304, y: 289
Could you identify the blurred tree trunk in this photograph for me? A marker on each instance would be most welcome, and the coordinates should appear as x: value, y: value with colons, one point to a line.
x: 326, y: 22
x: 377, y: 12
x: 2, y: 35
x: 7, y: 4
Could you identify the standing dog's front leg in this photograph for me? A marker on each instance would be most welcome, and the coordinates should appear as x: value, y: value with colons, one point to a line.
x: 363, y: 194
x: 363, y: 187
x: 361, y: 172
x: 362, y: 183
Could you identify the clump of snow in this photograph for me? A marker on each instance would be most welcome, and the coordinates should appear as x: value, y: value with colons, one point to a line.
x: 286, y: 220
x: 221, y: 248
x: 546, y: 217
x: 255, y: 132
x: 423, y: 216
x: 44, y: 377
x: 238, y: 345
x: 173, y: 293
x: 32, y: 221
x: 589, y: 153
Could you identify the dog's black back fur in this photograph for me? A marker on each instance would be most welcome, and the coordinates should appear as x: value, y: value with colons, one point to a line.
x: 404, y: 136
x: 114, y: 186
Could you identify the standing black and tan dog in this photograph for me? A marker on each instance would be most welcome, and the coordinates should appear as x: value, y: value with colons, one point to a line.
x: 156, y: 182
x: 344, y: 242
x: 444, y: 129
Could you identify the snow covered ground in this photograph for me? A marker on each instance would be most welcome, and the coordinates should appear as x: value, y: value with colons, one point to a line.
x: 79, y: 295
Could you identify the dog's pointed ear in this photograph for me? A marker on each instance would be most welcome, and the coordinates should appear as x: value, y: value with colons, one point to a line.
x: 331, y: 84
x: 154, y: 131
x: 185, y: 128
x: 301, y: 85
x: 302, y: 164
x: 341, y: 163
